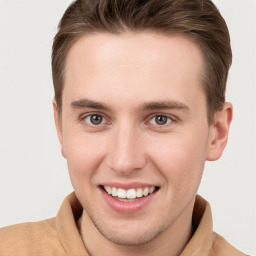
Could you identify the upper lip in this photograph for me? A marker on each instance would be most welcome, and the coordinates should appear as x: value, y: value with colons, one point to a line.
x: 128, y: 185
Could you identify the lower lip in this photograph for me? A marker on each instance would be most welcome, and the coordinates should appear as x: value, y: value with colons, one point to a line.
x: 127, y: 207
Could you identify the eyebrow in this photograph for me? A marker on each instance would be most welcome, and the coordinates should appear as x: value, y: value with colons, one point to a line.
x: 155, y: 105
x: 86, y: 103
x: 165, y: 105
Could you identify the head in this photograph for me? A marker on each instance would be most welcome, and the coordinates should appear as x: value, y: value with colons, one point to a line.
x: 140, y: 103
x: 198, y: 20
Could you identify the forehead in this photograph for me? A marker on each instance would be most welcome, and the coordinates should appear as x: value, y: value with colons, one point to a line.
x: 133, y: 62
x: 146, y: 48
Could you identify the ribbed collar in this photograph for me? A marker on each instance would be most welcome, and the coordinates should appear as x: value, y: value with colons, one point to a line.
x: 202, y: 239
x: 70, y: 211
x: 66, y: 219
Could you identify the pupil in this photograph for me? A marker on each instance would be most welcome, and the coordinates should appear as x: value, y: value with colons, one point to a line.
x: 161, y: 120
x: 95, y: 119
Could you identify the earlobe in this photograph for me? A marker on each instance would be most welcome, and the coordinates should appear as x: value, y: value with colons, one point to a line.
x: 219, y: 132
x: 58, y: 126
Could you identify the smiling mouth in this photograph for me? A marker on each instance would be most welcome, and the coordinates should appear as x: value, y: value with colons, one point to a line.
x: 129, y: 195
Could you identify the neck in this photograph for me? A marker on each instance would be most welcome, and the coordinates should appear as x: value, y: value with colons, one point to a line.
x: 171, y: 242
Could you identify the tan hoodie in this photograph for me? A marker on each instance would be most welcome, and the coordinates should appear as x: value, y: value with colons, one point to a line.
x: 60, y: 236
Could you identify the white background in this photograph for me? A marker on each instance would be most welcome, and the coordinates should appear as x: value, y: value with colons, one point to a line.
x: 33, y: 176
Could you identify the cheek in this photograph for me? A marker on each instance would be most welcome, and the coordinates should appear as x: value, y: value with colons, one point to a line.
x: 84, y: 154
x: 180, y: 159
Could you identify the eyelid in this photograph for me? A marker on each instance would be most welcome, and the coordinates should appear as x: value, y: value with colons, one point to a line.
x: 82, y: 117
x: 89, y: 116
x: 167, y: 117
x: 172, y: 117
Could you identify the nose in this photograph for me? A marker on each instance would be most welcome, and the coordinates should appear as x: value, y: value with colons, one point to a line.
x: 126, y: 151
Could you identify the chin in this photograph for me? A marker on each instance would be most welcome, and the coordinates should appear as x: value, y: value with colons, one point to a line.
x: 134, y: 236
x: 130, y: 239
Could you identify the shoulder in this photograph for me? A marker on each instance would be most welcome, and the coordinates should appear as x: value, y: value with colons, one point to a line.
x: 221, y: 247
x: 32, y: 238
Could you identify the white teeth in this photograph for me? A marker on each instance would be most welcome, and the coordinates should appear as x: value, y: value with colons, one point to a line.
x: 130, y: 193
x: 121, y: 193
x: 114, y: 192
x: 139, y: 192
x: 108, y: 189
x: 145, y: 191
x: 152, y: 189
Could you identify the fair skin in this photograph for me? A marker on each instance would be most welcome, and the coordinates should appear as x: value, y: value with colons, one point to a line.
x: 134, y: 116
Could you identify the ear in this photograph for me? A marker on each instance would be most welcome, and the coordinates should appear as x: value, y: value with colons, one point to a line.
x: 58, y: 125
x: 219, y: 131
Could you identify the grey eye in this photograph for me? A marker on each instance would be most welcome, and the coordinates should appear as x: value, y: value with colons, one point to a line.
x: 160, y: 120
x: 95, y: 119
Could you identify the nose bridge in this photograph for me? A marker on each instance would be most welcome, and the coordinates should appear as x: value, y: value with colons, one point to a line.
x: 126, y: 151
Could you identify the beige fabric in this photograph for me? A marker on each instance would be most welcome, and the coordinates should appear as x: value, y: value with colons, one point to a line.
x: 59, y: 236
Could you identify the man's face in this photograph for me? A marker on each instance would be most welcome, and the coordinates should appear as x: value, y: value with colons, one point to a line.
x: 135, y: 118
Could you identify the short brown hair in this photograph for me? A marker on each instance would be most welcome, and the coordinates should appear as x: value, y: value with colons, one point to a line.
x: 199, y: 20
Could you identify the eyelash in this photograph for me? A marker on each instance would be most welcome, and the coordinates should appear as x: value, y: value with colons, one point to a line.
x: 83, y: 119
x: 170, y: 118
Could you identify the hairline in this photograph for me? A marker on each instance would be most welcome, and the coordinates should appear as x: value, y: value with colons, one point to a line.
x: 203, y: 73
